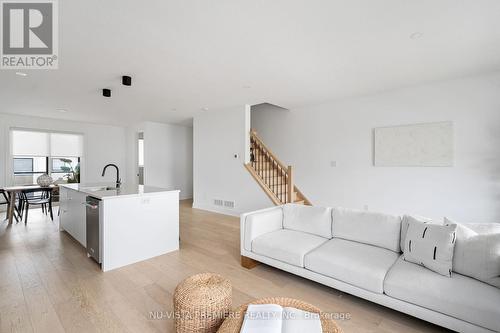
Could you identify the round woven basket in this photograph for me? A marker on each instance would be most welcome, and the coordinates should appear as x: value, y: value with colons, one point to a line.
x: 234, y: 322
x: 201, y: 302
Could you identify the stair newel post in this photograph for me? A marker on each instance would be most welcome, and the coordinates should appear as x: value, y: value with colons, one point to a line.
x: 290, y: 193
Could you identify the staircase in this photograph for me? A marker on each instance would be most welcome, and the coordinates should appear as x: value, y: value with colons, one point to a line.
x: 274, y: 177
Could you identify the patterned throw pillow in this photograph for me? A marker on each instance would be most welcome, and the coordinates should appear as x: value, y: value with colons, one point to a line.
x: 430, y: 245
x: 404, y: 226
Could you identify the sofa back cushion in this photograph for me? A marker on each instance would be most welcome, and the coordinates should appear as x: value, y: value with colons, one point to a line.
x: 313, y: 220
x: 371, y: 228
x: 477, y: 252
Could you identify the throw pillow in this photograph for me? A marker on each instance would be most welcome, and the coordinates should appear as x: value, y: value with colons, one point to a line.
x: 477, y: 255
x: 430, y: 245
x: 404, y: 226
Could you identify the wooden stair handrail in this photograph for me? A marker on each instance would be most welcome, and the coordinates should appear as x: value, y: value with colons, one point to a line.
x: 275, y: 178
x: 254, y: 135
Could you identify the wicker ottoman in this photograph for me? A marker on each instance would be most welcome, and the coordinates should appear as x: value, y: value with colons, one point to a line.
x: 201, y: 302
x: 234, y: 322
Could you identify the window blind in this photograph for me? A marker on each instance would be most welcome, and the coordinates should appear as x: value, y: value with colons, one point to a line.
x: 34, y: 143
x: 62, y: 144
x: 30, y: 143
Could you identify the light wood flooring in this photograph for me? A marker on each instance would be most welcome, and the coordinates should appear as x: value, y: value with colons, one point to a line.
x: 47, y: 283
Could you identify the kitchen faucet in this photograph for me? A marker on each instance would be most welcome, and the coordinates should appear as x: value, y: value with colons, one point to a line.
x: 118, y: 180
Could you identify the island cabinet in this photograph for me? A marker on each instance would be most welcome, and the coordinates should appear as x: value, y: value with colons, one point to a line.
x: 72, y: 214
x: 134, y: 222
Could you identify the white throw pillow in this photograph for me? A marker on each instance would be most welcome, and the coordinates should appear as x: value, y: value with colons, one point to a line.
x: 430, y: 245
x: 477, y: 255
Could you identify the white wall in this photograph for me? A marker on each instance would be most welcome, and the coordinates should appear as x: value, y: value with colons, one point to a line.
x: 102, y: 144
x: 168, y: 157
x: 310, y: 138
x: 168, y: 151
x: 218, y: 136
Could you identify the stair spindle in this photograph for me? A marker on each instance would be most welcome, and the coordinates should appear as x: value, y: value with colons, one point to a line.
x: 290, y: 185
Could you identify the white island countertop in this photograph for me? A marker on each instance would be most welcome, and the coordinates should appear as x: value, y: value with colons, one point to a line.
x: 109, y: 191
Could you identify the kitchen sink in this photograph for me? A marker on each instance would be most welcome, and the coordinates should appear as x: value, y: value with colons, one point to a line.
x: 100, y: 188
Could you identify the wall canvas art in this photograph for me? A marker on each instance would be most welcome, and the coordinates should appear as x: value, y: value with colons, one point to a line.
x: 421, y: 145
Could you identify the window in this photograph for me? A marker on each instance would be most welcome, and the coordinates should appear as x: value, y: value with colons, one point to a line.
x: 62, y: 167
x: 35, y: 153
x: 23, y: 165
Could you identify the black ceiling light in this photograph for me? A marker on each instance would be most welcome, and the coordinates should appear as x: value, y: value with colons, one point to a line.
x: 106, y: 92
x: 126, y: 80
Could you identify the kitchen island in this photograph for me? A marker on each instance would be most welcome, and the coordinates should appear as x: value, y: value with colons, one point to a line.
x: 120, y: 226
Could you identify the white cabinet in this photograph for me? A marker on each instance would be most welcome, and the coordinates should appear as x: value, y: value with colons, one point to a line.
x: 72, y: 218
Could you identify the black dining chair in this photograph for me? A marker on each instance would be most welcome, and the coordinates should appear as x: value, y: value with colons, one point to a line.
x: 40, y: 197
x: 4, y: 200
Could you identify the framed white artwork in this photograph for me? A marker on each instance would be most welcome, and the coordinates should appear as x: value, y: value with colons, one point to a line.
x: 421, y: 145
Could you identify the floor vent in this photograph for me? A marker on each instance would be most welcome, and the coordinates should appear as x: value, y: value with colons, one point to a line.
x: 218, y: 202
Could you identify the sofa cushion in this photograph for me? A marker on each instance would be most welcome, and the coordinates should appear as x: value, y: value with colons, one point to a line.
x: 431, y: 246
x: 361, y: 265
x: 314, y: 220
x: 377, y: 229
x: 289, y: 246
x: 459, y: 296
x: 484, y: 228
x: 261, y: 222
x: 477, y: 255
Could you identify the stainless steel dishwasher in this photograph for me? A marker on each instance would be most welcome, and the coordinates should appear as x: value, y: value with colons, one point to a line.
x: 93, y: 227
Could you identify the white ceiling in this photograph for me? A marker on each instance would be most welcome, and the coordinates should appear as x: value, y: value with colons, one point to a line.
x: 187, y: 55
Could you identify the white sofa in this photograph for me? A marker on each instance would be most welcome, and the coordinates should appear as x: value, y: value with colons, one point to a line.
x: 360, y: 253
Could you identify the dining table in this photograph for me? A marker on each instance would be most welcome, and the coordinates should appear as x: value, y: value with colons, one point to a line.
x: 12, y: 192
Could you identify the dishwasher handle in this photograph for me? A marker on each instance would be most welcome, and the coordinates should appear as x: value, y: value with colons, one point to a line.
x: 90, y: 205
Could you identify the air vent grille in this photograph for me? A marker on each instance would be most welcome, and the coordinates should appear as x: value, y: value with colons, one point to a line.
x: 229, y: 204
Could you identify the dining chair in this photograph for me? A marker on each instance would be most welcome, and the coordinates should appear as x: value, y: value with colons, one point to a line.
x: 41, y: 197
x: 4, y: 200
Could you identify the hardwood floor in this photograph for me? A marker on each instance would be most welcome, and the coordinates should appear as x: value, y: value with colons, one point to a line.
x: 47, y: 283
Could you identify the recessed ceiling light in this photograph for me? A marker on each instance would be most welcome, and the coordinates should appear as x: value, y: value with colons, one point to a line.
x: 62, y: 110
x: 21, y: 74
x: 416, y: 35
x: 247, y: 87
x: 204, y: 109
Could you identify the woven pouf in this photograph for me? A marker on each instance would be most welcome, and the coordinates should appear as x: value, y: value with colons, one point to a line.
x: 201, y: 302
x: 234, y: 322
